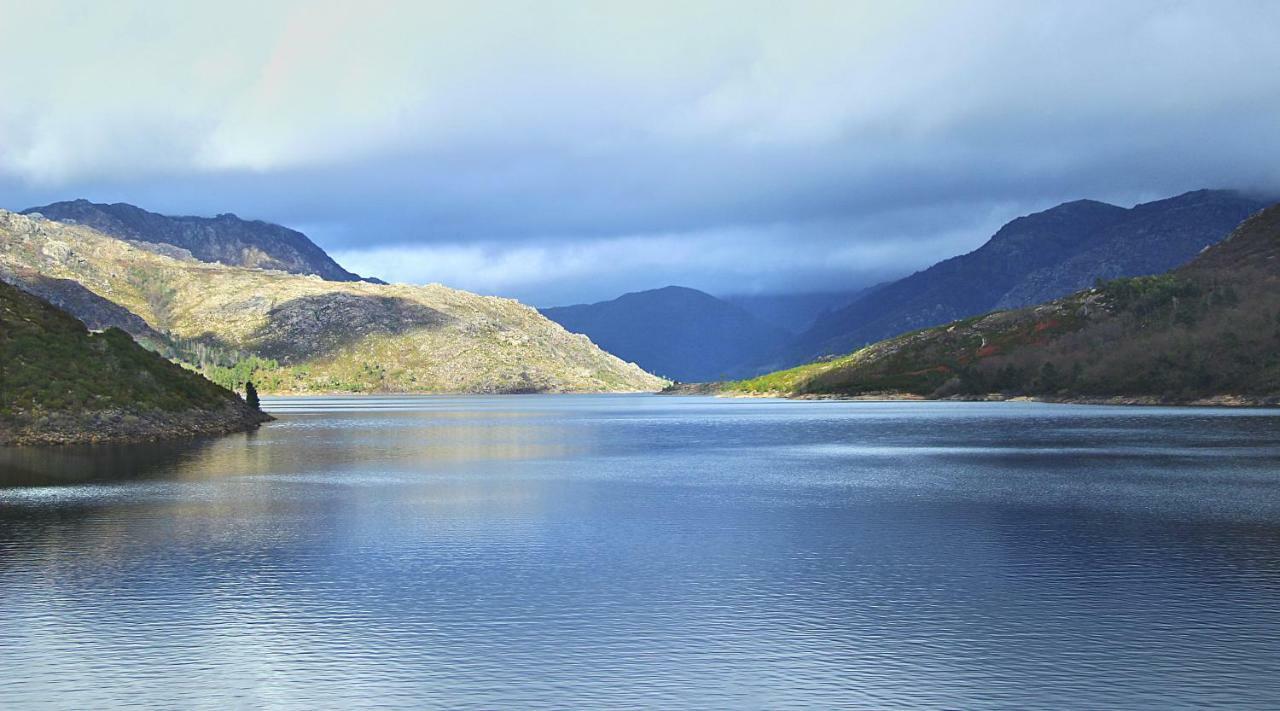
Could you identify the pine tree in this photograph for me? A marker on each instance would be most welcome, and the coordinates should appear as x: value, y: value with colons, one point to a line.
x: 251, y: 395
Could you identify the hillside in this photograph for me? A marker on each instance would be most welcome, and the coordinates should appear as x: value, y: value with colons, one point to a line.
x: 1033, y: 259
x: 225, y: 239
x: 679, y: 333
x: 295, y: 333
x: 1208, y: 331
x: 59, y: 383
x: 94, y: 311
x: 793, y: 312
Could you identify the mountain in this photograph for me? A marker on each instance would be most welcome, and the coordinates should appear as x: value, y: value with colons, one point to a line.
x: 294, y: 333
x: 225, y: 239
x: 680, y: 333
x: 794, y: 313
x: 1206, y: 332
x: 59, y: 383
x: 1031, y: 259
x: 94, y: 311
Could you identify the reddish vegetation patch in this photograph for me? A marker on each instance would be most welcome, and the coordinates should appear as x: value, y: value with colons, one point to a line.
x: 1045, y: 325
x: 988, y: 350
x: 934, y: 369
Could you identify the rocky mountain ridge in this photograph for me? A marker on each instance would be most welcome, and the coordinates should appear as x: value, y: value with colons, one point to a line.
x: 299, y: 334
x: 224, y: 239
x: 1032, y: 259
x: 1207, y: 332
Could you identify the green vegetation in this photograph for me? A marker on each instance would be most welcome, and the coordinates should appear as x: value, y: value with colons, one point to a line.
x: 48, y: 360
x: 58, y: 380
x: 1207, y: 330
x: 158, y: 295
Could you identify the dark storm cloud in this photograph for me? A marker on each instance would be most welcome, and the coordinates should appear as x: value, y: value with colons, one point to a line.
x: 725, y: 146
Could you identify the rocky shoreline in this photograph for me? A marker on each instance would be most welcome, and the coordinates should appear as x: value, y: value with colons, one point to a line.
x: 120, y: 426
x: 717, y: 390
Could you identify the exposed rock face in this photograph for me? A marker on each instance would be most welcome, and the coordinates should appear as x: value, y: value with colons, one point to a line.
x: 677, y: 332
x: 1033, y: 259
x: 225, y: 239
x: 324, y: 323
x: 327, y: 336
x: 94, y: 311
x: 61, y: 384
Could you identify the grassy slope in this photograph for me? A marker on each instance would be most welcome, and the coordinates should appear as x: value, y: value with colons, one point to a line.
x: 341, y: 336
x: 60, y: 382
x: 1209, y: 329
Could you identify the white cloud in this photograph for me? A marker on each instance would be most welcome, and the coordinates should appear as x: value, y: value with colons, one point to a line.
x: 501, y: 134
x: 267, y: 86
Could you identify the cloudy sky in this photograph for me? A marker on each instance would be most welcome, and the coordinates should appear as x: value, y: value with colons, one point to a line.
x: 563, y: 152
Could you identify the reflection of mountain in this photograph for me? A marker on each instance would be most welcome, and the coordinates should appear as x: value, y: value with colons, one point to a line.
x: 686, y: 539
x: 100, y: 463
x: 440, y: 461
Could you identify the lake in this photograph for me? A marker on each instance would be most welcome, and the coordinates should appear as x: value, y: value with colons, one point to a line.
x: 646, y: 551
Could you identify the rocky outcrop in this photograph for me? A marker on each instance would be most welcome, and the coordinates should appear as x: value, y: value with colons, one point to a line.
x: 225, y: 239
x: 71, y: 426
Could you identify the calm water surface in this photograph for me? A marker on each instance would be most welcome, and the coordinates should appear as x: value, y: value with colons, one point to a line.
x: 582, y: 551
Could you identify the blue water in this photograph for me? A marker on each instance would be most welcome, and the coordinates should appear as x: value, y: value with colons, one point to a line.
x: 623, y: 552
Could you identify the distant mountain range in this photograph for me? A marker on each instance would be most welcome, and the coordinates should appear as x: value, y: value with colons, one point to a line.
x: 295, y: 333
x: 1032, y: 259
x: 225, y: 239
x: 1206, y: 332
x: 691, y: 336
x: 119, y: 265
x: 60, y: 384
x: 794, y: 313
x: 675, y: 332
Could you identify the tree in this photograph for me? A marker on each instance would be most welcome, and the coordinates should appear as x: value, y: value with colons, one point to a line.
x: 251, y: 395
x: 1049, y: 380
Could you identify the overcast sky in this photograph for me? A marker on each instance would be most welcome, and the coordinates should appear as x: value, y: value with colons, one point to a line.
x: 564, y: 152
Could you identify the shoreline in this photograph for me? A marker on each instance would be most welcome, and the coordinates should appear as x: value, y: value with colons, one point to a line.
x: 447, y: 393
x: 1220, y: 401
x: 123, y: 427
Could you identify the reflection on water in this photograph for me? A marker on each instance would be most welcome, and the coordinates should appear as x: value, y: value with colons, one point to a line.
x: 553, y: 551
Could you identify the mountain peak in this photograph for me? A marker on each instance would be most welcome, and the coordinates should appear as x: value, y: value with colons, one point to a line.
x: 1089, y: 212
x: 1204, y: 332
x: 1036, y: 258
x: 224, y: 239
x: 674, y: 331
x: 671, y: 292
